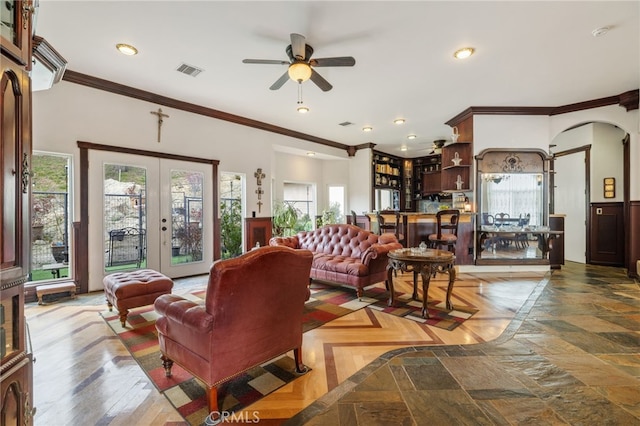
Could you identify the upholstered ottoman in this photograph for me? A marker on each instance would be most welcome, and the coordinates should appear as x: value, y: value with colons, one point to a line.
x: 127, y: 290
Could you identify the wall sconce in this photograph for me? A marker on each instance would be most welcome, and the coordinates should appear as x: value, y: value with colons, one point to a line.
x: 495, y: 178
x: 539, y: 179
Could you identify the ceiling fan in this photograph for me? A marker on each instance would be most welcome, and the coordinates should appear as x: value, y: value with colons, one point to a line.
x: 300, y: 64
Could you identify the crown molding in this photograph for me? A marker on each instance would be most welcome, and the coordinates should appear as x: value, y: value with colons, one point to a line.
x: 628, y: 100
x: 120, y: 89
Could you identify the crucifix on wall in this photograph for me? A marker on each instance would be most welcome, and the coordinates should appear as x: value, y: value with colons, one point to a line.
x: 259, y: 176
x: 160, y: 120
x: 259, y: 191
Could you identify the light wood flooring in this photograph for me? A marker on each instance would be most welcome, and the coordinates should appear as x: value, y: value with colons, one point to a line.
x: 84, y: 375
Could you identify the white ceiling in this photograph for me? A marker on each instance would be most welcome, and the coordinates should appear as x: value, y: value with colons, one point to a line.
x: 537, y: 53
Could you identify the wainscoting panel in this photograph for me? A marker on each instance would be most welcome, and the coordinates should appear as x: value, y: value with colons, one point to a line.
x: 607, y: 234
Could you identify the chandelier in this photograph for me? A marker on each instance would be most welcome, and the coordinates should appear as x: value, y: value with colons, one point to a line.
x: 494, y: 177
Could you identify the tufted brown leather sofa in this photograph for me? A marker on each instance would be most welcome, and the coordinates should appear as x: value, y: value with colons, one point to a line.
x: 344, y: 254
x: 252, y: 313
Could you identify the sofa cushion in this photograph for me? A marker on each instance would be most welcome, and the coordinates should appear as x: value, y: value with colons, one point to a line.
x: 341, y: 264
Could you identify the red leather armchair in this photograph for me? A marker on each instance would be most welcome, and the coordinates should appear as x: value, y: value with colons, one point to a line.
x: 252, y: 313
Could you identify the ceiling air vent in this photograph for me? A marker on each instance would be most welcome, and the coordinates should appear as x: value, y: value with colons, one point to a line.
x: 189, y: 70
x: 345, y: 123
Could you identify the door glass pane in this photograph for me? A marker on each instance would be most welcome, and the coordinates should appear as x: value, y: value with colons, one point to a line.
x: 50, y: 219
x: 8, y: 20
x: 186, y: 216
x: 125, y: 224
x: 231, y: 214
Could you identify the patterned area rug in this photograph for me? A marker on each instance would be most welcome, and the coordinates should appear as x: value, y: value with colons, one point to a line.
x: 338, y: 301
x: 185, y: 392
x: 327, y: 303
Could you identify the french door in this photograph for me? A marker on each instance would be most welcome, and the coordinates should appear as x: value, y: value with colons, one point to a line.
x: 148, y: 212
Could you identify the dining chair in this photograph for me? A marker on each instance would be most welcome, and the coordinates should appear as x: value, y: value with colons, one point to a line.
x: 446, y: 230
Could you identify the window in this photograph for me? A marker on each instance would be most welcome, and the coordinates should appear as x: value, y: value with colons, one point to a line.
x: 302, y: 197
x: 50, y: 217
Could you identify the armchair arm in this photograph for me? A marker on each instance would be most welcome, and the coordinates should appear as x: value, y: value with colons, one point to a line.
x: 291, y: 242
x: 185, y: 312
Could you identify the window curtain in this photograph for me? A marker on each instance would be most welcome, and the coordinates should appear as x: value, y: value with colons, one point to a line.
x: 517, y: 196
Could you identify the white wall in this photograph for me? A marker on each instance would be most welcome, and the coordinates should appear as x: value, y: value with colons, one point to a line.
x: 68, y: 113
x: 628, y: 121
x: 510, y: 131
x: 359, y: 191
x: 606, y: 155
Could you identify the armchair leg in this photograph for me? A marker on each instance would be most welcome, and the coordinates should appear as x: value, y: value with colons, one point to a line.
x: 212, y: 400
x: 300, y: 367
x: 167, y: 364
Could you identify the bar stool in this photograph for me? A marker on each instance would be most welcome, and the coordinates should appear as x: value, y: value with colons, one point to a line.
x: 450, y: 235
x: 393, y: 228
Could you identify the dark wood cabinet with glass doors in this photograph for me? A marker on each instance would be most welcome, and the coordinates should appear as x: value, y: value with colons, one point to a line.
x: 16, y: 360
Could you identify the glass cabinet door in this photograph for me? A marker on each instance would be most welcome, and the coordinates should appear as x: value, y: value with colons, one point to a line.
x: 15, y: 29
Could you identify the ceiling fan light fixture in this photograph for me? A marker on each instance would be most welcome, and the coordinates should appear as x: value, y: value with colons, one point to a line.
x: 299, y: 71
x: 463, y: 53
x: 126, y: 49
x: 302, y: 109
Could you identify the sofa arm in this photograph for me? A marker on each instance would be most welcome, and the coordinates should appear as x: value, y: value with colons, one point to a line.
x: 185, y: 312
x: 291, y: 242
x: 378, y: 250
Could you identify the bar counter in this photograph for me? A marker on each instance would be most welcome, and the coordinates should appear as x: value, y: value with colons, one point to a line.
x: 416, y: 227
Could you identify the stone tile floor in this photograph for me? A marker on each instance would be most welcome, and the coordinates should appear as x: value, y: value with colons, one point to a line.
x: 570, y: 356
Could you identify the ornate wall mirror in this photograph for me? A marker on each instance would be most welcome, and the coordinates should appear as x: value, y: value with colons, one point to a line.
x: 513, y: 214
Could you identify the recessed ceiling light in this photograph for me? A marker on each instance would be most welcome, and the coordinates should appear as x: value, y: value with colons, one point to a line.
x: 463, y: 53
x: 600, y: 31
x: 367, y: 129
x: 311, y: 154
x: 403, y: 148
x: 399, y: 121
x: 411, y: 137
x: 126, y: 49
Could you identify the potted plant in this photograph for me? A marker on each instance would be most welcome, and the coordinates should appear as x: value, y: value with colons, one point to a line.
x: 59, y: 252
x: 331, y: 215
x: 231, y: 229
x: 285, y: 217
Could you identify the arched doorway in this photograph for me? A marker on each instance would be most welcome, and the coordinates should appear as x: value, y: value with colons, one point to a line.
x: 587, y: 157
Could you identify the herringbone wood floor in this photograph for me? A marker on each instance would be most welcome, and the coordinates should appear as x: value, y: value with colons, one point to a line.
x: 84, y: 375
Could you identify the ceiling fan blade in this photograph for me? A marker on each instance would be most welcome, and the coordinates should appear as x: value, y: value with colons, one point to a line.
x: 340, y: 61
x: 298, y: 46
x: 279, y: 82
x: 264, y: 61
x: 320, y: 81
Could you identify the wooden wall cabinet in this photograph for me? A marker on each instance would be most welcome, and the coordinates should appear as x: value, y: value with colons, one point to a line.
x: 257, y: 231
x: 431, y: 175
x: 17, y: 16
x: 15, y: 140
